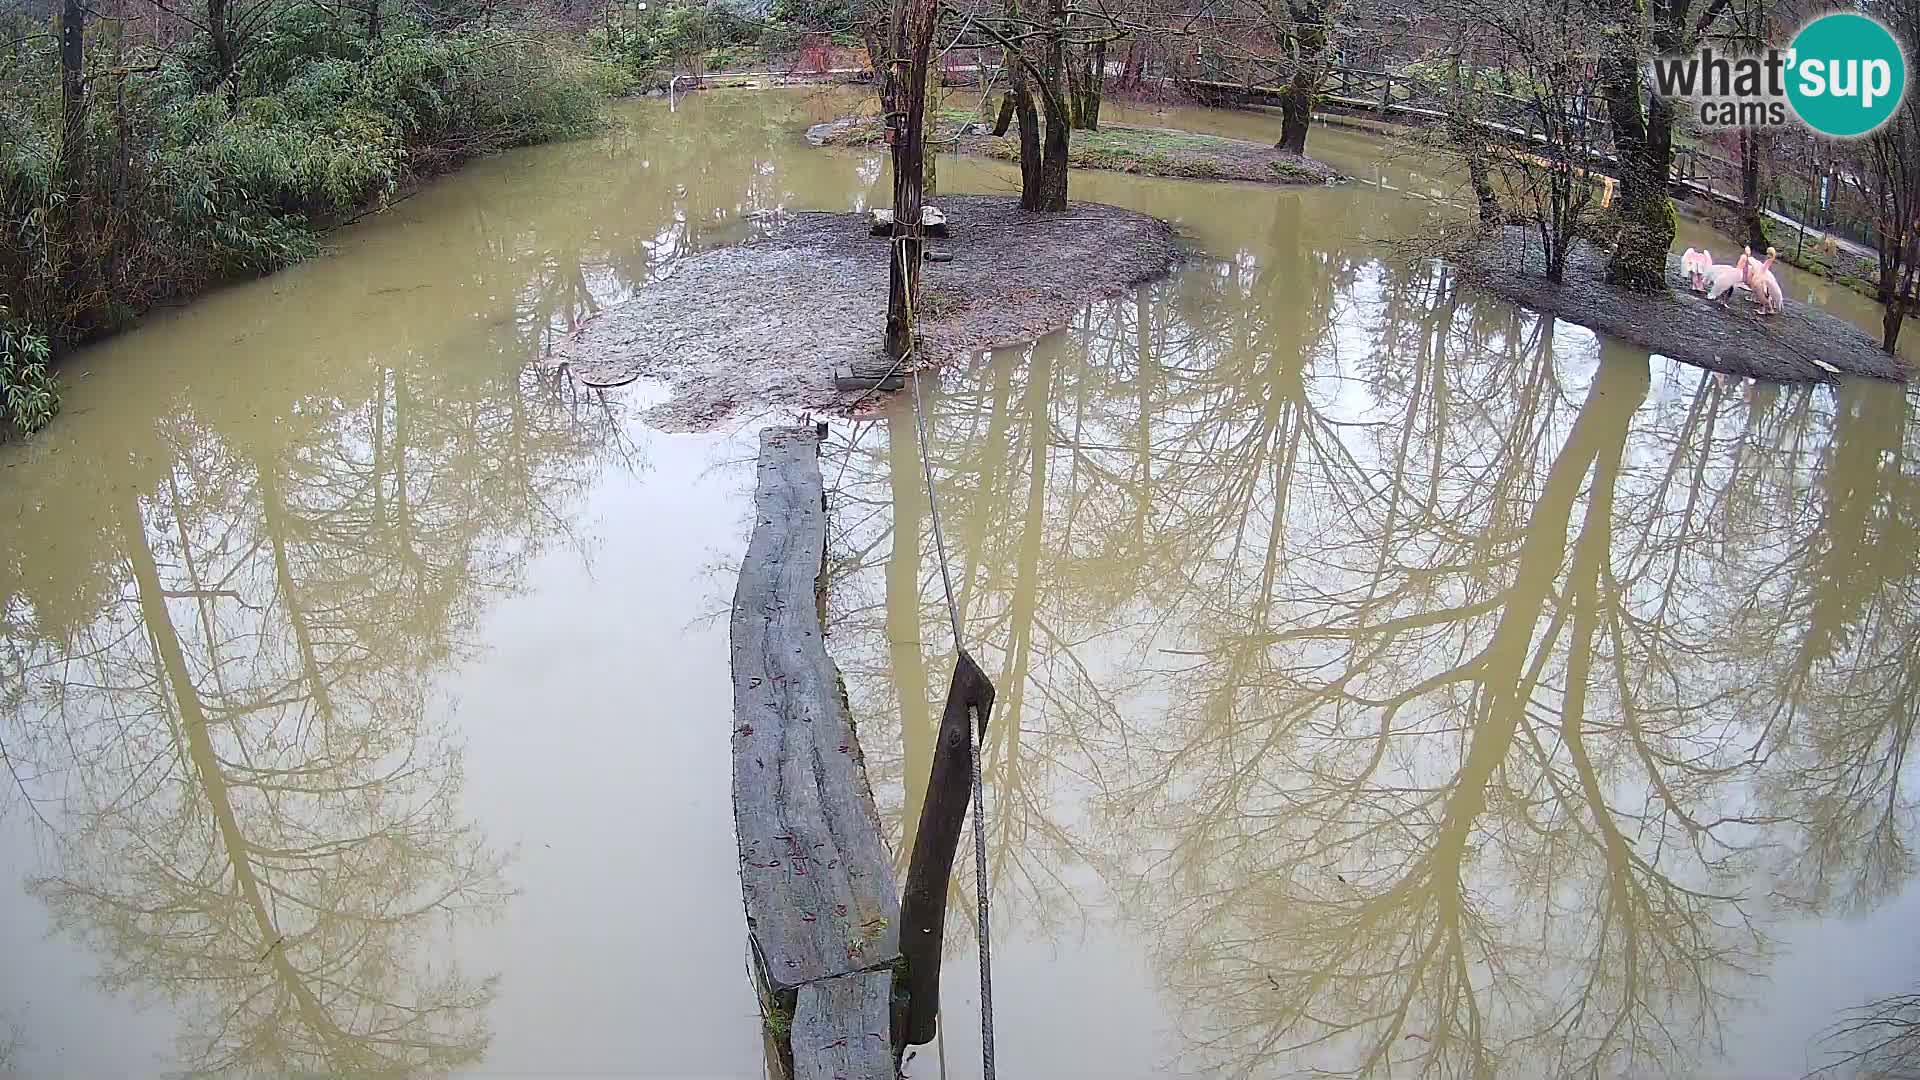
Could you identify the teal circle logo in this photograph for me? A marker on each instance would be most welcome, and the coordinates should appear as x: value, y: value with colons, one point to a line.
x: 1848, y: 74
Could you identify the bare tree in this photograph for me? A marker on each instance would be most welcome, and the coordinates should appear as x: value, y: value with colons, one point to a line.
x: 1291, y: 42
x: 1309, y: 32
x: 1543, y: 84
x: 1887, y: 175
x: 1034, y: 45
x: 1643, y: 129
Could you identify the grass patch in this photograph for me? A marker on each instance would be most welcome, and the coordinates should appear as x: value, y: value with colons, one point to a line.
x: 1143, y: 150
x: 1844, y: 270
x: 1155, y: 150
x: 1287, y: 170
x: 777, y: 1021
x: 1138, y: 150
x: 1146, y: 141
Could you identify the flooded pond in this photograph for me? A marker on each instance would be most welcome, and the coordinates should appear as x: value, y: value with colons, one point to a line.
x: 1391, y: 681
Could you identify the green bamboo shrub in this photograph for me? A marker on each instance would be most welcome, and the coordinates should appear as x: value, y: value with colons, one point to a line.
x: 183, y: 181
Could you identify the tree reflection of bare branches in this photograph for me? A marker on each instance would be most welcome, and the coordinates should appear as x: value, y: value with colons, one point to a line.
x: 1437, y: 696
x: 252, y: 786
x: 1879, y: 1040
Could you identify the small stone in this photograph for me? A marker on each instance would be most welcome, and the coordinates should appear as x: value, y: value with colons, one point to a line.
x: 939, y: 255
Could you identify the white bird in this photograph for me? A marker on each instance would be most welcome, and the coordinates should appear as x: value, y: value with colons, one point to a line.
x: 1764, y: 286
x: 1697, y: 265
x: 1725, y: 279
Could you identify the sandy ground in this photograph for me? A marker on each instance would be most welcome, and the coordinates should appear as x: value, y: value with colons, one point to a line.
x: 765, y: 322
x: 1727, y: 336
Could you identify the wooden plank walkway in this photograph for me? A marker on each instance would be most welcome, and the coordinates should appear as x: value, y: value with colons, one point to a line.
x: 822, y: 907
x: 840, y: 1028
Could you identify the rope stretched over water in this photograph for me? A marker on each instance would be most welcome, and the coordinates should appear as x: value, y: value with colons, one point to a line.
x: 974, y: 744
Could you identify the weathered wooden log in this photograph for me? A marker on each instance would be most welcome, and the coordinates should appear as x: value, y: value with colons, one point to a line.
x: 840, y: 1028
x: 815, y: 873
x: 923, y: 908
x: 867, y: 374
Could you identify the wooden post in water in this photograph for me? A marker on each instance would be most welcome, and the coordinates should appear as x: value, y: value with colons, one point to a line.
x: 923, y: 906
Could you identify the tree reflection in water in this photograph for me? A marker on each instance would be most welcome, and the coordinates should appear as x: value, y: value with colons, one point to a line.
x: 1437, y: 692
x: 253, y: 791
x: 225, y: 612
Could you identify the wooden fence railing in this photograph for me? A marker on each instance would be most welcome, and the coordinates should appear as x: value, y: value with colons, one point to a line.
x: 1406, y: 98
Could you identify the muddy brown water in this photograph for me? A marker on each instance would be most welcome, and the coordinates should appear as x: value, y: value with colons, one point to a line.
x: 1391, y: 681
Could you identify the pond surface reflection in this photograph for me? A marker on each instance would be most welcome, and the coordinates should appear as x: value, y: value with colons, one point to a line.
x: 1394, y: 682
x: 1390, y: 680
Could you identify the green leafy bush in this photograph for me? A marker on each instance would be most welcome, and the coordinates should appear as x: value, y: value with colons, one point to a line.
x: 641, y: 44
x: 29, y: 394
x: 182, y: 182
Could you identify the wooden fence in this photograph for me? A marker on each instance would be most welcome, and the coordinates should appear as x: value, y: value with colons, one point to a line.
x: 1406, y: 99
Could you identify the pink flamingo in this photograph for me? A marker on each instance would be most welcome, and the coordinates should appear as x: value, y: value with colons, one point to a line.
x: 1752, y: 267
x: 1764, y: 286
x: 1696, y: 265
x: 1725, y: 279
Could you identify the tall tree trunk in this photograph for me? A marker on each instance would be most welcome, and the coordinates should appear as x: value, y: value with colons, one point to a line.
x: 1076, y: 72
x: 876, y: 36
x: 1097, y: 90
x: 1752, y: 209
x: 1053, y: 170
x: 374, y: 21
x: 1897, y: 298
x: 1032, y: 164
x: 1473, y: 147
x: 1088, y: 88
x: 912, y: 42
x: 1756, y: 27
x: 929, y: 118
x: 1643, y: 143
x: 73, y: 94
x: 1464, y: 131
x: 72, y: 223
x: 1484, y: 195
x: 1005, y: 118
x: 221, y: 33
x: 1296, y: 107
x: 1296, y: 115
x: 118, y: 172
x: 1053, y: 177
